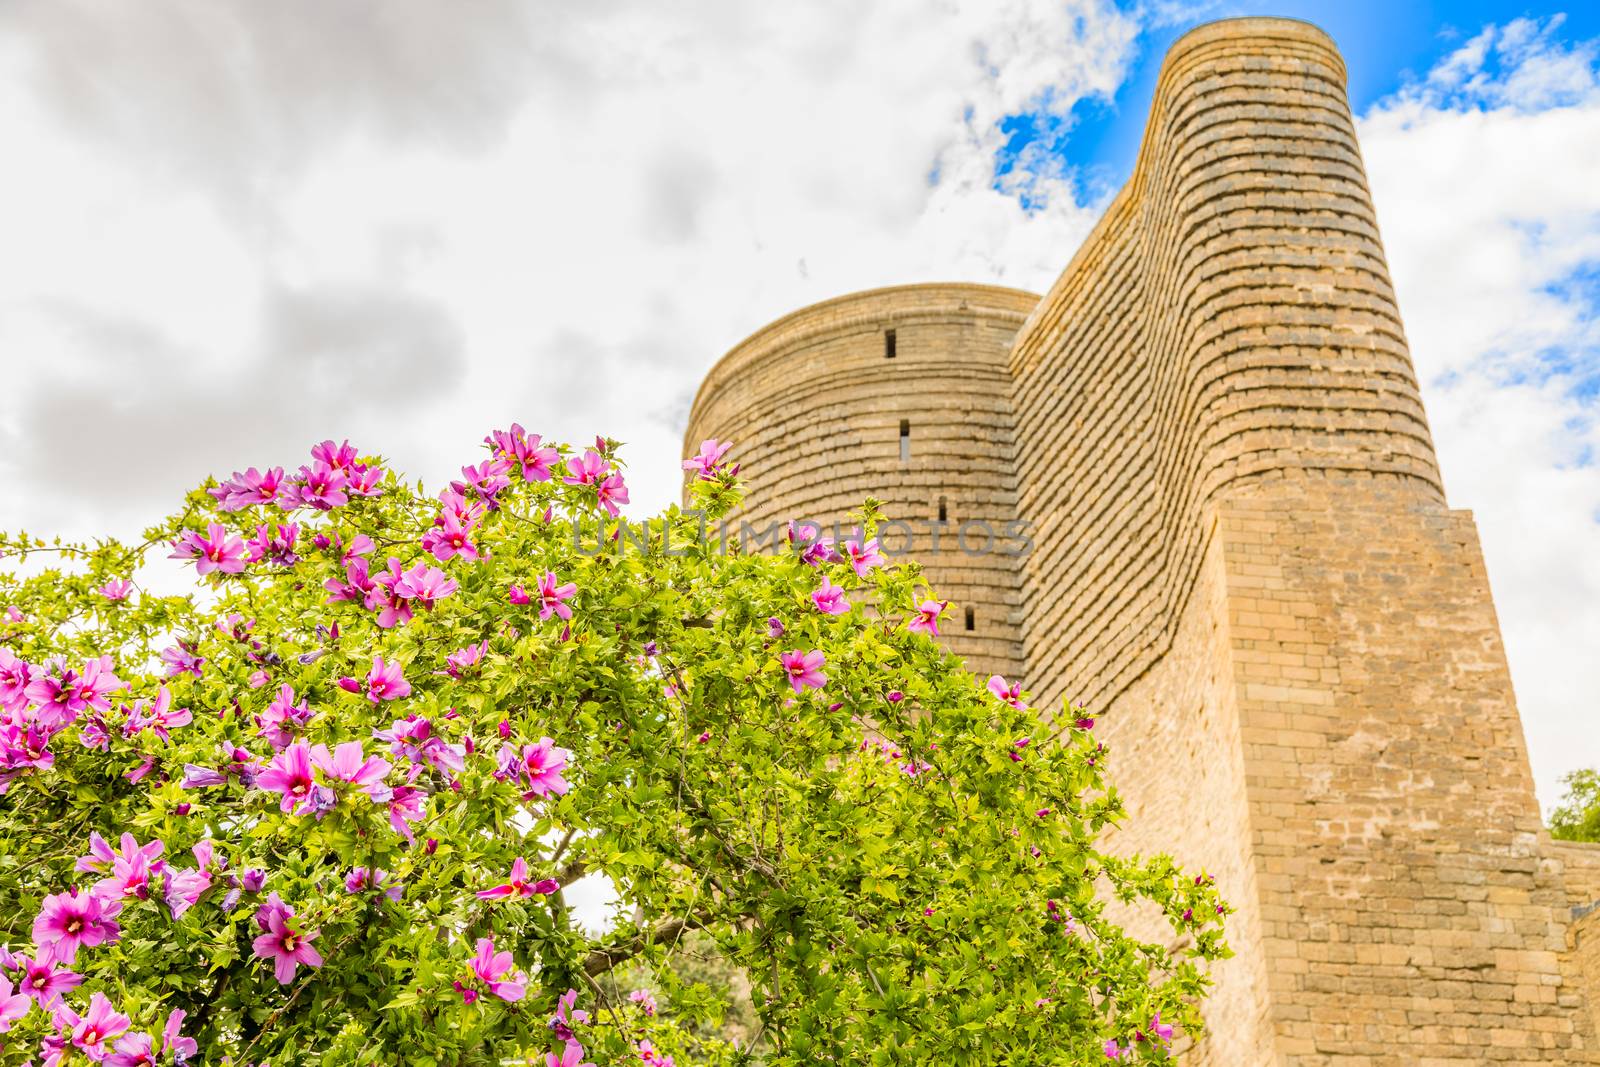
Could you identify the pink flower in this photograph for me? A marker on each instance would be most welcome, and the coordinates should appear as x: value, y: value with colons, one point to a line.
x: 425, y: 585
x: 274, y: 544
x: 286, y: 946
x: 349, y: 765
x: 567, y: 1016
x: 519, y: 886
x: 551, y: 597
x: 462, y: 660
x: 116, y: 589
x: 358, y: 586
x: 517, y: 595
x: 361, y: 880
x: 541, y: 765
x: 320, y: 486
x: 93, y: 1031
x: 283, y: 718
x: 611, y: 493
x: 804, y: 669
x: 68, y: 921
x: 13, y: 1006
x: 450, y: 537
x: 15, y: 674
x: 522, y: 449
x: 646, y: 1001
x: 1011, y: 692
x: 218, y: 550
x: 1162, y: 1031
x: 251, y: 487
x: 486, y: 480
x: 343, y: 457
x: 493, y: 969
x: 384, y: 682
x: 131, y: 868
x: 45, y: 981
x: 64, y: 694
x: 1115, y: 1051
x: 829, y: 598
x: 864, y: 557
x: 926, y: 619
x: 589, y: 470
x: 289, y: 773
x: 708, y: 459
x: 571, y: 1056
x: 182, y: 659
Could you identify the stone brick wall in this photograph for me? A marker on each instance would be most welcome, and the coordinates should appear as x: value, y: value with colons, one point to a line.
x: 817, y: 409
x: 1243, y: 562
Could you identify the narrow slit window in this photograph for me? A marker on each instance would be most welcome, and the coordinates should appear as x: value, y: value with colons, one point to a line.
x: 943, y: 513
x: 972, y: 619
x: 888, y: 344
x: 905, y: 440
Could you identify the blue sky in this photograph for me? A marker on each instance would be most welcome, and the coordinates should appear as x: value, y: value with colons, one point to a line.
x: 1386, y: 44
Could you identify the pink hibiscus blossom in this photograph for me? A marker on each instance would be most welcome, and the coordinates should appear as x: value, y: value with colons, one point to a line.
x: 611, y: 492
x: 425, y: 585
x: 93, y: 1031
x: 384, y: 682
x: 45, y: 981
x: 571, y: 1056
x: 1010, y: 692
x: 116, y: 589
x: 707, y: 461
x: 349, y: 765
x: 217, y: 550
x: 522, y: 449
x: 275, y: 544
x: 69, y: 921
x: 450, y: 537
x: 285, y: 945
x: 589, y: 470
x: 494, y: 970
x: 519, y: 886
x: 319, y: 486
x: 926, y: 618
x: 364, y: 880
x: 864, y: 556
x: 250, y: 488
x: 541, y: 764
x: 132, y: 867
x: 139, y: 1049
x: 283, y: 718
x: 182, y: 659
x: 289, y: 773
x: 829, y: 598
x: 13, y: 1006
x: 552, y: 597
x: 804, y: 669
x: 567, y: 1016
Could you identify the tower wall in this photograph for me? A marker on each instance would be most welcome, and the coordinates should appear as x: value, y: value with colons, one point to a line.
x: 817, y: 409
x: 1242, y: 561
x: 1245, y: 564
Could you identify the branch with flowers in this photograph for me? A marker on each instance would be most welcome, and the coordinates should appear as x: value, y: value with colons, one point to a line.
x: 333, y: 806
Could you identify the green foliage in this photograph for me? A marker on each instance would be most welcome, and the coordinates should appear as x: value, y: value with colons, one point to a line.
x: 892, y: 877
x: 1578, y: 816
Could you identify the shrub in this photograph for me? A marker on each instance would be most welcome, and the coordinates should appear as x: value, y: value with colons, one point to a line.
x: 328, y: 807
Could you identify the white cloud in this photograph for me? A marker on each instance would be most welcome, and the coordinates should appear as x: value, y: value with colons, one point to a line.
x: 1486, y: 177
x: 235, y: 230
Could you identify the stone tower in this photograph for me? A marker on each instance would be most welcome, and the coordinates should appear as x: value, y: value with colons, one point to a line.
x: 1237, y: 552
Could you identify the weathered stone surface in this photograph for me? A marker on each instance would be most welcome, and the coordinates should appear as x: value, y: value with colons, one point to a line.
x: 1241, y: 559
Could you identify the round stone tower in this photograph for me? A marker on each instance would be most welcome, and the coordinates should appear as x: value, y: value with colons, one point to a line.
x: 900, y: 394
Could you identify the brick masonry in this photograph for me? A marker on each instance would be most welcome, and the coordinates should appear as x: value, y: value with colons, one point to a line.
x: 1241, y: 559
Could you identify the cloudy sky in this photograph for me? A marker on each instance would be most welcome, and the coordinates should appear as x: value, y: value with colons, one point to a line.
x: 230, y: 229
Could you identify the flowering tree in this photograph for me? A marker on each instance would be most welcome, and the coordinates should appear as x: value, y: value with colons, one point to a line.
x: 326, y: 809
